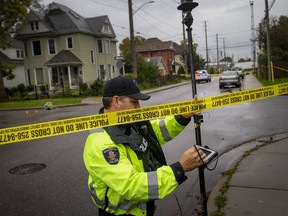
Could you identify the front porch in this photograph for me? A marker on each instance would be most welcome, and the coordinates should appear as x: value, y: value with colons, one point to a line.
x: 64, y: 71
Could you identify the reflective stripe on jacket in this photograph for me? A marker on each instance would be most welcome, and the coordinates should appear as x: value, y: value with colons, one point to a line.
x: 117, y: 179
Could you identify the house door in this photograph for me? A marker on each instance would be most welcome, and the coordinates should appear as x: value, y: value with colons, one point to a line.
x: 74, y: 77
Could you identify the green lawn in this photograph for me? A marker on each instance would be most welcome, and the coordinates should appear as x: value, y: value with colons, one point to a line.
x: 39, y: 103
x: 71, y: 101
x: 276, y: 81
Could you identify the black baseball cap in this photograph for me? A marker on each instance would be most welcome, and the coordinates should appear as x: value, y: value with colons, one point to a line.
x: 123, y: 86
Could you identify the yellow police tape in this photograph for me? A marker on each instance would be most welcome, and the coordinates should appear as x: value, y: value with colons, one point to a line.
x: 72, y: 125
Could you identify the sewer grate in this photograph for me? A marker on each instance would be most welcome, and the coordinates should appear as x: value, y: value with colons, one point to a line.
x: 27, y: 168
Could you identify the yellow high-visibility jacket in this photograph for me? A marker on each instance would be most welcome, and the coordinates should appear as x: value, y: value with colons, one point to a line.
x: 122, y: 179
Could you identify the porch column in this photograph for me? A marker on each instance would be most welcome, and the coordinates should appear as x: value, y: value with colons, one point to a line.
x: 69, y: 76
x: 49, y: 78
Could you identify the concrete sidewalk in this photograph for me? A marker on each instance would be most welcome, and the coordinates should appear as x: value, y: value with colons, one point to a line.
x: 98, y: 100
x: 259, y: 185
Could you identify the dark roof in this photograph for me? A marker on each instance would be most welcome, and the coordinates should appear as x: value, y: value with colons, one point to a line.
x: 60, y: 20
x: 154, y: 44
x: 64, y: 57
x: 178, y: 48
x: 64, y: 20
x: 5, y: 59
x: 96, y: 24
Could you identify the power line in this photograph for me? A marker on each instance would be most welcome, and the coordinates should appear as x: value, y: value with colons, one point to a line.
x: 106, y: 5
x: 162, y: 21
x: 155, y: 27
x: 271, y: 5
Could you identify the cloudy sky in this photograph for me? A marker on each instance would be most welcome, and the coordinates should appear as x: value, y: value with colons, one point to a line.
x: 230, y: 19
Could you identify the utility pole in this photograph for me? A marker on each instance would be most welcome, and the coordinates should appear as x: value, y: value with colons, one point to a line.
x: 268, y: 39
x: 207, y: 57
x: 253, y: 48
x: 217, y: 54
x: 132, y: 40
x: 224, y: 51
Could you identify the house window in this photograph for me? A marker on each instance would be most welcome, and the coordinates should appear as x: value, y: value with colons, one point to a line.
x: 25, y: 49
x: 36, y: 47
x: 19, y: 53
x: 51, y: 46
x: 92, y: 56
x: 69, y: 42
x: 102, y: 72
x: 39, y: 76
x: 107, y: 47
x: 34, y: 26
x: 100, y: 47
x: 29, y: 76
x: 110, y: 71
x: 106, y: 28
x: 55, y: 75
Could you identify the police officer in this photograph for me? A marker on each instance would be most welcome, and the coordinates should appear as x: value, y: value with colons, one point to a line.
x: 126, y: 164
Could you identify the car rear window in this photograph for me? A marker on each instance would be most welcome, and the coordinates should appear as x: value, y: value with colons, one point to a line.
x: 229, y: 73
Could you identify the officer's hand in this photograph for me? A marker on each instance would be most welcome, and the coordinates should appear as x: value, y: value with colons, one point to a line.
x: 191, y: 159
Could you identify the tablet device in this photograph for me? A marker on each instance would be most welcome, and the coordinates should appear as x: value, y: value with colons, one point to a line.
x: 210, y: 154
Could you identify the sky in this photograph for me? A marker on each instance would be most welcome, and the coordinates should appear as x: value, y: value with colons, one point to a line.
x: 231, y: 20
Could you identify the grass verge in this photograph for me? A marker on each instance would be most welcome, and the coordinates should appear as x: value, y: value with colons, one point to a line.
x: 269, y: 83
x: 39, y: 103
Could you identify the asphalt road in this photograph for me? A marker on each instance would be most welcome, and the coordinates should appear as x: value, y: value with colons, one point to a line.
x: 60, y: 188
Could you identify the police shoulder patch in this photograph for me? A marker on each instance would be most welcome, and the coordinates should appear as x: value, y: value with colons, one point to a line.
x: 111, y: 155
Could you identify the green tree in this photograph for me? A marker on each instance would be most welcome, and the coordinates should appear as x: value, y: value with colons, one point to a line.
x: 147, y: 72
x: 227, y: 59
x: 278, y: 39
x: 12, y: 13
x: 125, y: 51
x: 199, y: 62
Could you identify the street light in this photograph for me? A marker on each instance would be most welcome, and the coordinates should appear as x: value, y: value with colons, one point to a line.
x: 132, y: 42
x: 142, y: 6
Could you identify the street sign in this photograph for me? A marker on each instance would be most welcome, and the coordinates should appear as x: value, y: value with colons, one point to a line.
x: 119, y: 58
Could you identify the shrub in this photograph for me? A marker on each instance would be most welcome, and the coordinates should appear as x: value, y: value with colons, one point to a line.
x: 22, y: 89
x: 97, y: 87
x: 57, y: 95
x: 181, y: 70
x: 75, y: 93
x: 30, y: 88
x: 83, y: 87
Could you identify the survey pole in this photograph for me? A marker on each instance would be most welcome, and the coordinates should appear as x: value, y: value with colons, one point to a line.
x: 187, y: 6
